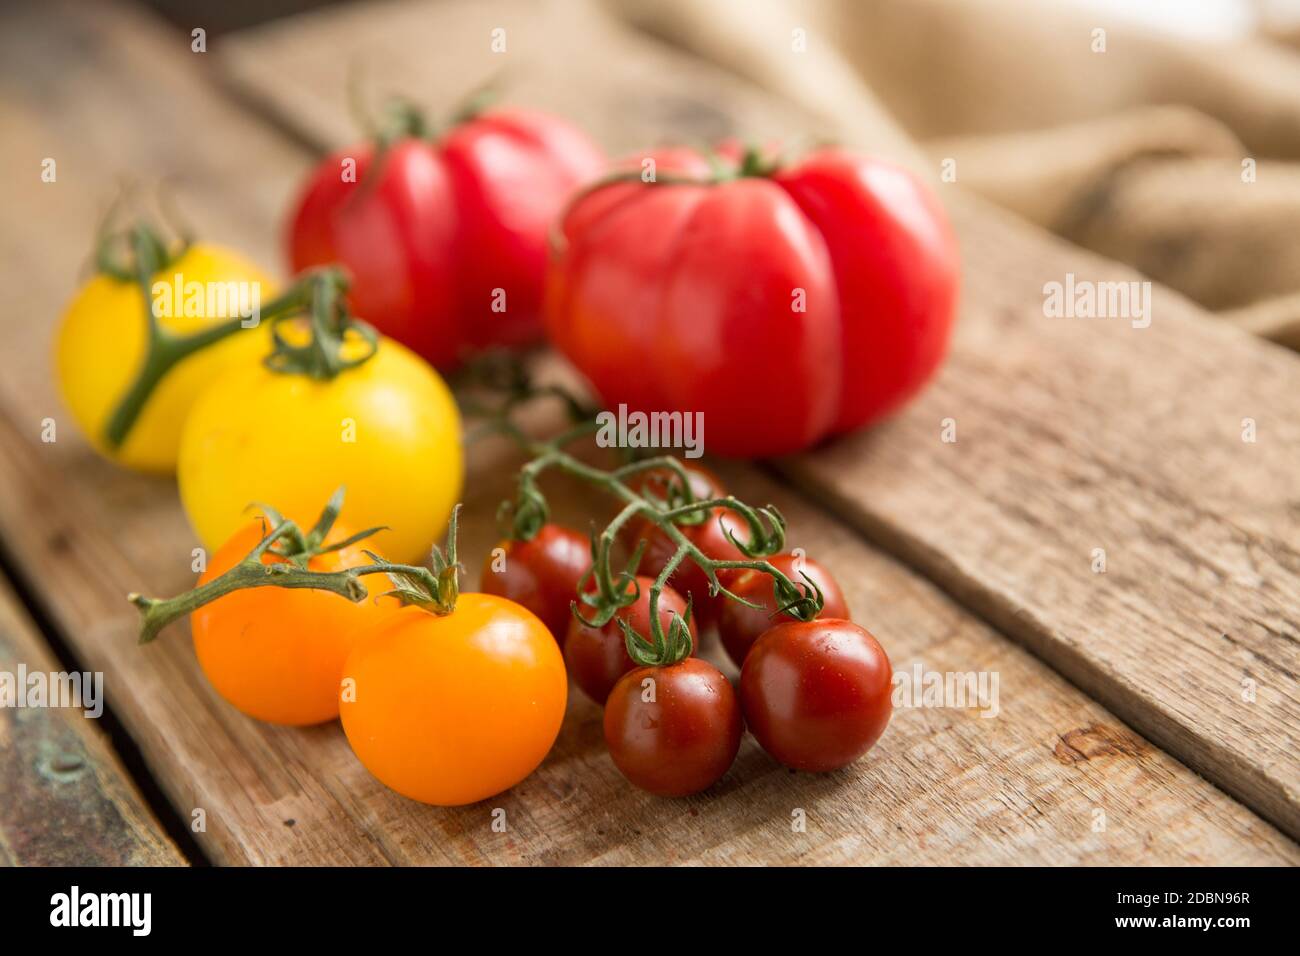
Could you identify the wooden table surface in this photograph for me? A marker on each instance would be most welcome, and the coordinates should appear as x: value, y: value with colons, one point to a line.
x: 1148, y: 714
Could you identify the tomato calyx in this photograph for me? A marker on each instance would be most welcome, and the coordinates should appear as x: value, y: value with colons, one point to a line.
x: 295, y: 548
x: 331, y: 332
x: 402, y: 118
x: 163, y: 349
x: 435, y: 592
x: 298, y: 546
x: 661, y: 650
x: 124, y: 254
x: 754, y: 164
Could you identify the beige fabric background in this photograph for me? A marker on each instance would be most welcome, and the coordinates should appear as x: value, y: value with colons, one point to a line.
x: 1136, y: 152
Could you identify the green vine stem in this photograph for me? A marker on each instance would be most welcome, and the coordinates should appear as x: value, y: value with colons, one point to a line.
x: 614, y: 591
x: 319, y: 291
x: 322, y: 355
x: 524, y: 516
x: 401, y: 119
x: 435, y: 591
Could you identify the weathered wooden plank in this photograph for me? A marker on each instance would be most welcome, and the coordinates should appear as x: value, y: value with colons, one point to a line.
x: 65, y: 798
x: 108, y: 92
x: 1078, y: 436
x: 945, y: 785
x: 558, y: 56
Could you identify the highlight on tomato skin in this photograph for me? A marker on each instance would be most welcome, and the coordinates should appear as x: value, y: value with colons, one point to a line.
x: 450, y: 709
x: 673, y: 730
x: 277, y: 654
x: 816, y: 695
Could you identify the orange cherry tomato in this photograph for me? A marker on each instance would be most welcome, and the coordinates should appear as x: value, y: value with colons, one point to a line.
x: 452, y: 709
x: 277, y: 654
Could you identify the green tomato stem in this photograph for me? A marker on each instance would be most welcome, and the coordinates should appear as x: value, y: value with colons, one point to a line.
x: 319, y: 291
x: 434, y: 591
x: 767, y: 536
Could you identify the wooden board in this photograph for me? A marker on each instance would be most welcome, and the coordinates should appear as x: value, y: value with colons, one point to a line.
x: 944, y: 785
x: 559, y: 56
x: 1075, y: 436
x: 65, y: 798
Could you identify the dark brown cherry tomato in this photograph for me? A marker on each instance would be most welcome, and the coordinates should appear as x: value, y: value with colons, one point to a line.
x: 659, y: 548
x: 740, y: 626
x: 597, y: 657
x: 713, y: 542
x: 707, y: 535
x: 542, y: 574
x: 816, y: 694
x: 673, y: 730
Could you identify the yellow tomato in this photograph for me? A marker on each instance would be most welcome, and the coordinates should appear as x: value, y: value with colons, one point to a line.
x: 388, y: 431
x: 101, y: 343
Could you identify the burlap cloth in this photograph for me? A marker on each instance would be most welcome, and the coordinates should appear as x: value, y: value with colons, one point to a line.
x: 1179, y: 157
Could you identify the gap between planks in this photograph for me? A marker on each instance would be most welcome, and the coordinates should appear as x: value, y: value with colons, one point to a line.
x: 66, y: 799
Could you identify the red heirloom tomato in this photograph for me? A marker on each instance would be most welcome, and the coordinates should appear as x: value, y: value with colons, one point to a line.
x: 431, y: 231
x: 785, y: 304
x: 597, y: 657
x: 542, y: 574
x: 673, y: 730
x: 740, y: 626
x: 816, y: 694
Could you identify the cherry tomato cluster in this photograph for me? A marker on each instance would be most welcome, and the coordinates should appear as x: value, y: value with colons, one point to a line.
x: 815, y: 694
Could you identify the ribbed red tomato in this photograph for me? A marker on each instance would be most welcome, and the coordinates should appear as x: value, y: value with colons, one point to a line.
x: 446, y: 241
x: 785, y: 304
